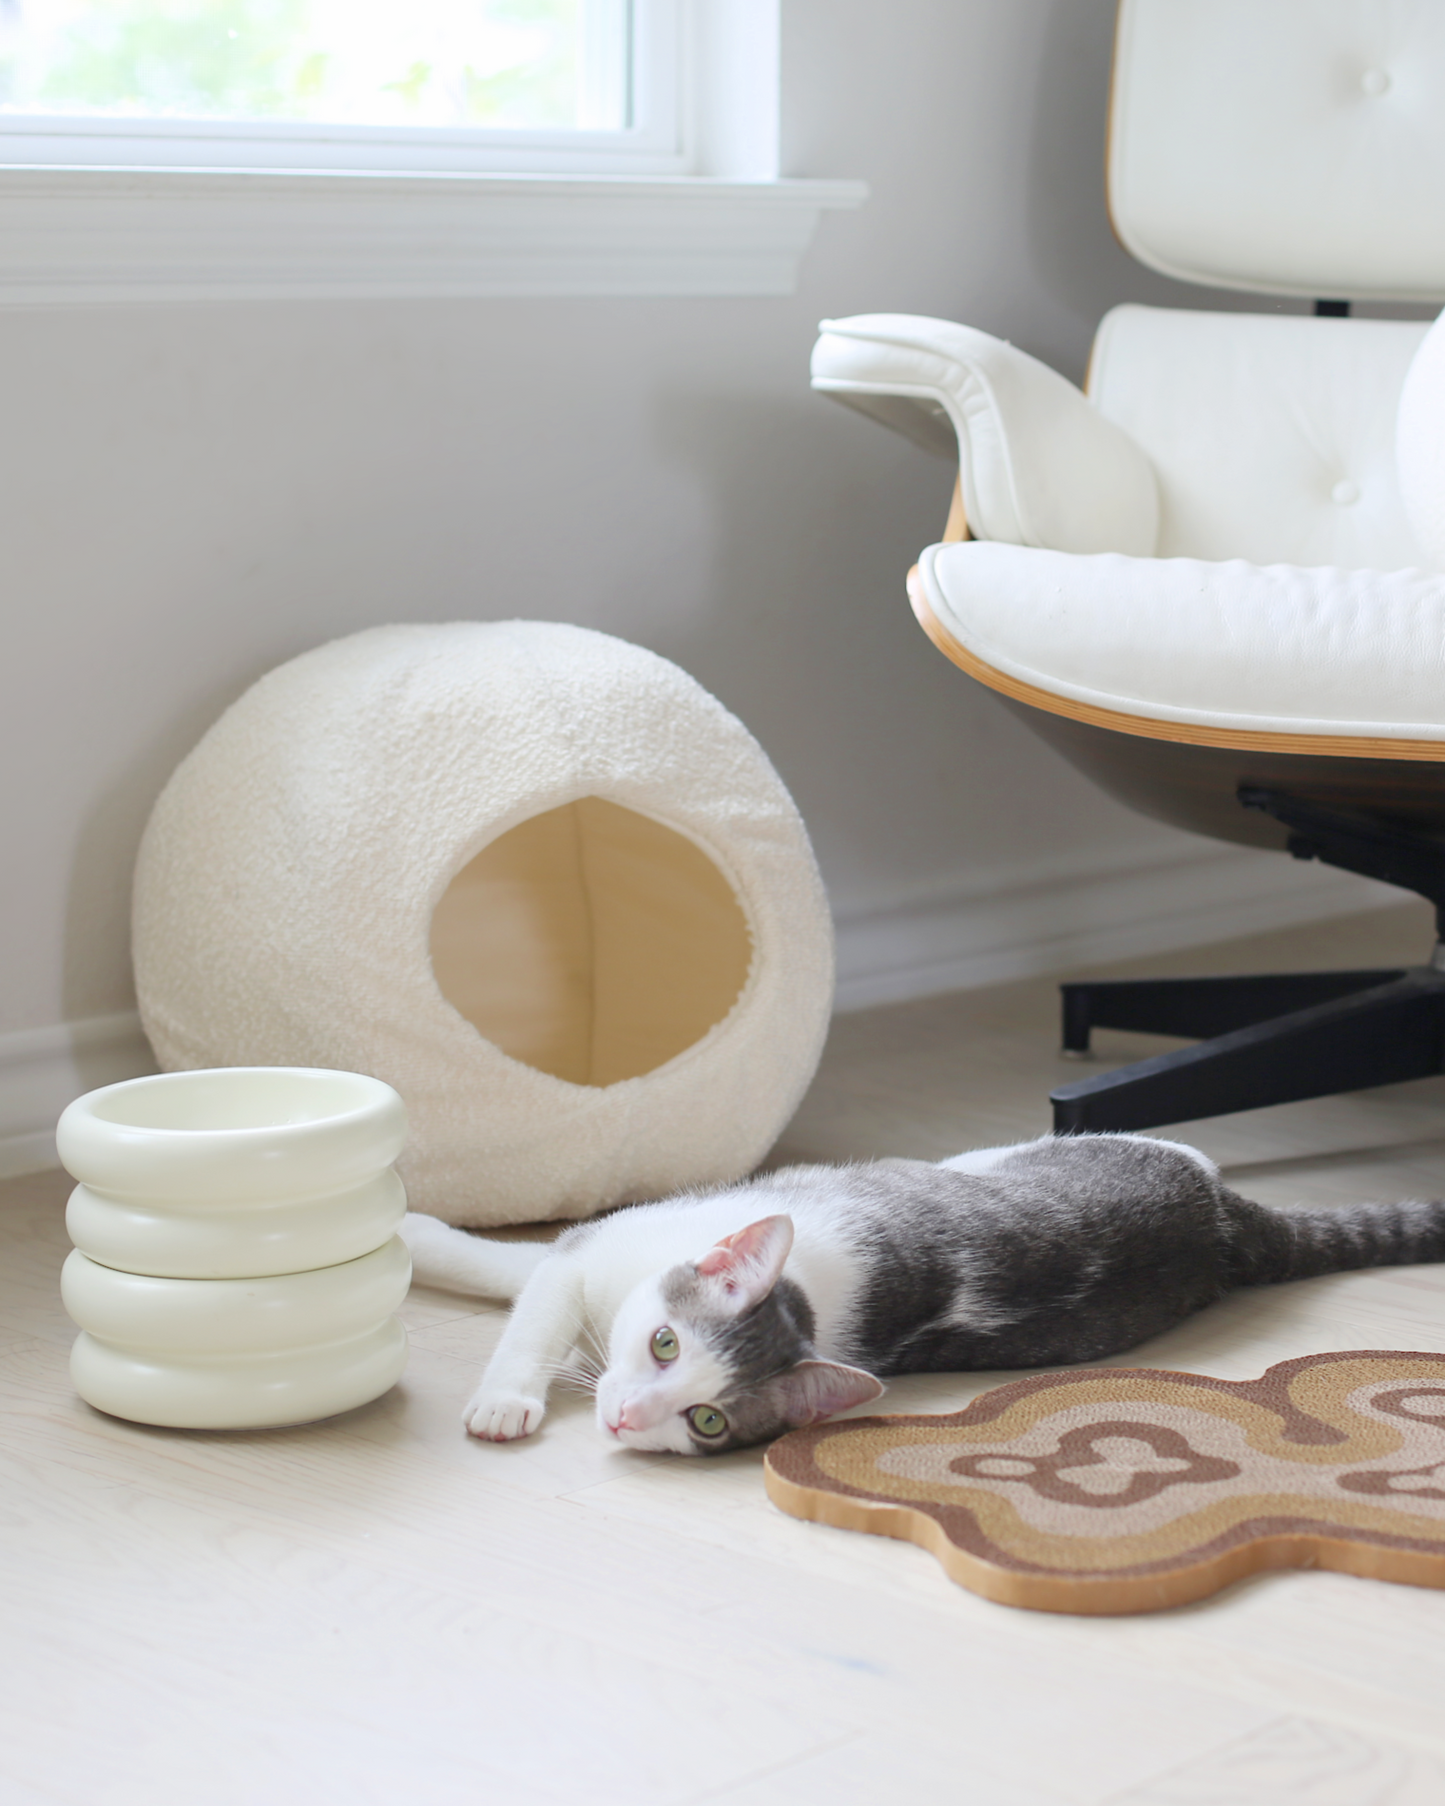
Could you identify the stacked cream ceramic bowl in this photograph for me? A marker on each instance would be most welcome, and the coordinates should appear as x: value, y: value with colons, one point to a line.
x: 236, y: 1259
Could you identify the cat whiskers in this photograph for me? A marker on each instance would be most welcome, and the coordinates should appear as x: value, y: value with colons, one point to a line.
x: 589, y: 1352
x: 579, y: 1371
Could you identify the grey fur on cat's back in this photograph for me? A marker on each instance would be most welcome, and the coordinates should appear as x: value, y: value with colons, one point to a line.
x: 1065, y: 1252
x: 1072, y: 1249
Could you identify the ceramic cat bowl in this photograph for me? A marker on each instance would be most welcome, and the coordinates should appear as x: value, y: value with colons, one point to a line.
x: 236, y: 1261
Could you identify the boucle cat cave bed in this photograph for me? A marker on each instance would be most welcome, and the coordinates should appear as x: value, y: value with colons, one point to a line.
x: 532, y: 876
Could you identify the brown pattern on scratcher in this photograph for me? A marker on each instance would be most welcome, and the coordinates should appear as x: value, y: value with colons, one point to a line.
x: 1126, y: 1489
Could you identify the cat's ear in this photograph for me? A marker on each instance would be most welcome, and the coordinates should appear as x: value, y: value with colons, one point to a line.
x: 749, y: 1263
x: 816, y: 1389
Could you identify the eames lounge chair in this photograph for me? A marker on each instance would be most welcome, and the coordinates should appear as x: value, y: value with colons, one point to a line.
x: 1213, y: 580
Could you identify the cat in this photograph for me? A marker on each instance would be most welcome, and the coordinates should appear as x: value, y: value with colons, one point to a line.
x: 725, y: 1317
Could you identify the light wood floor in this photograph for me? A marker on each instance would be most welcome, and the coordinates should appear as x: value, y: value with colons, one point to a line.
x: 378, y: 1609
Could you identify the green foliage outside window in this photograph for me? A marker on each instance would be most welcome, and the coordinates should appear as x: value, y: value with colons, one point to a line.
x: 513, y: 63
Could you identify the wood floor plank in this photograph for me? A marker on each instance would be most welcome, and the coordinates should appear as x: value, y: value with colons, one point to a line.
x: 1299, y: 1761
x: 880, y: 1767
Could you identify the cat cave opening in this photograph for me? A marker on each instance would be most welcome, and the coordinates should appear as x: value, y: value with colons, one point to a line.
x: 591, y: 942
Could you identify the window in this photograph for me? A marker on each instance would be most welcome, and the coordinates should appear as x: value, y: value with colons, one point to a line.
x: 247, y: 149
x: 581, y: 85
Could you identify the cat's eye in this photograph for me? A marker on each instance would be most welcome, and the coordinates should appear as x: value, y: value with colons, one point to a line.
x: 707, y: 1420
x: 664, y: 1345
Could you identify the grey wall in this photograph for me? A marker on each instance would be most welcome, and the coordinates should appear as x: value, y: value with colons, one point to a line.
x: 189, y: 495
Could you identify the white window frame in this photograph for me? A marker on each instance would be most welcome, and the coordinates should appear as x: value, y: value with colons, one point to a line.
x: 688, y: 200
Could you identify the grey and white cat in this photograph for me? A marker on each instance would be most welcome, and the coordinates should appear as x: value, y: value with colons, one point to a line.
x: 726, y: 1317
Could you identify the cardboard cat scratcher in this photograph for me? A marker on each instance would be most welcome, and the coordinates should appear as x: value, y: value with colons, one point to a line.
x: 532, y: 876
x: 1112, y: 1490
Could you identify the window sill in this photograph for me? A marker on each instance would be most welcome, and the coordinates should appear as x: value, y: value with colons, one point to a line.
x: 72, y: 235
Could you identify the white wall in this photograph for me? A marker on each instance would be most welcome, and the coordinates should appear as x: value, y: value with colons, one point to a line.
x: 190, y: 494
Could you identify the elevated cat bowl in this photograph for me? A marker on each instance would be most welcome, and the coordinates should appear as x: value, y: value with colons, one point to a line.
x: 236, y: 1261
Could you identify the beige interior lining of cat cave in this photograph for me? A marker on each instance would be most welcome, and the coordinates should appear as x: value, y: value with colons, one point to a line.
x: 591, y: 942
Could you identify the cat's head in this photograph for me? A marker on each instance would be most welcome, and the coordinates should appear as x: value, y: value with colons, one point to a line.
x: 717, y: 1353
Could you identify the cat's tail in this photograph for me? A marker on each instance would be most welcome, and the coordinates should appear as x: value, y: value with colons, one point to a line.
x: 458, y: 1262
x: 1268, y: 1246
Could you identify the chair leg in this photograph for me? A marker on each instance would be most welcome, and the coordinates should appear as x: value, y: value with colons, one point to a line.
x: 1380, y: 1036
x: 1200, y: 1007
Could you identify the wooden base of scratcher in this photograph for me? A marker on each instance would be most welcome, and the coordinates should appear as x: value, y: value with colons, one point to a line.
x: 1121, y: 1489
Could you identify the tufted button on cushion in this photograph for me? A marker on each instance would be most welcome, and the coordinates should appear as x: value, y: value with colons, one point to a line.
x: 1375, y: 82
x: 1345, y: 492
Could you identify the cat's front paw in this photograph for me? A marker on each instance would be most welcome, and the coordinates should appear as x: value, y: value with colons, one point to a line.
x: 502, y: 1416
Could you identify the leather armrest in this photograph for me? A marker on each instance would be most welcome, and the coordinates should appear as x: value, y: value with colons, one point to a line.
x: 1038, y: 465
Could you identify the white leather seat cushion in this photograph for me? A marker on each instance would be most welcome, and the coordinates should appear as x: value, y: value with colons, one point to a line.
x: 1420, y: 444
x: 1229, y: 645
x: 1272, y: 436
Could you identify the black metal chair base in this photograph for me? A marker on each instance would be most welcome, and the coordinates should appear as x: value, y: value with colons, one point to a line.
x: 1266, y: 1040
x: 1278, y: 1039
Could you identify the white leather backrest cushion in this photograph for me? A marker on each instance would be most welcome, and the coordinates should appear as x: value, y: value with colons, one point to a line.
x: 1272, y: 435
x: 1284, y: 146
x: 1420, y: 444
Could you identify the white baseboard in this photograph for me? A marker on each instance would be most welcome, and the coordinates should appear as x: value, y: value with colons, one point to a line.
x: 963, y: 936
x: 950, y: 939
x: 42, y: 1069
